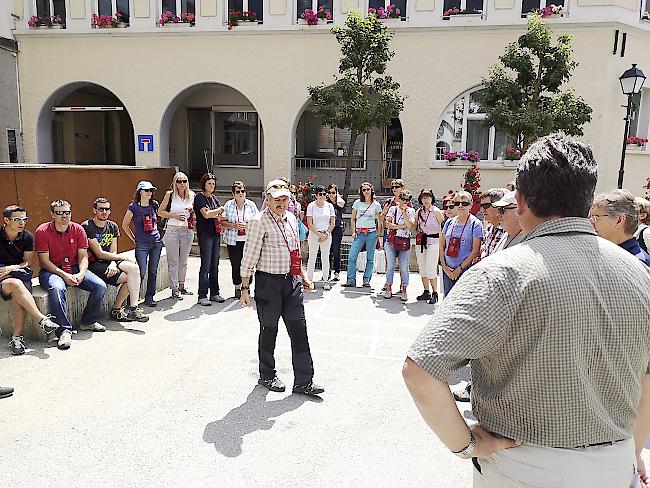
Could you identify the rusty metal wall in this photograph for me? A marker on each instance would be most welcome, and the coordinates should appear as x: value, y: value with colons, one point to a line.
x: 33, y: 188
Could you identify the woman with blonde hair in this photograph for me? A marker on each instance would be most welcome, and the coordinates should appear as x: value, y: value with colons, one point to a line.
x: 177, y: 207
x: 642, y: 233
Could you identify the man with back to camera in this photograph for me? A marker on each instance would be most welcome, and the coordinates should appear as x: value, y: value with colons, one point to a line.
x: 62, y: 247
x: 112, y: 268
x: 273, y: 249
x: 557, y: 334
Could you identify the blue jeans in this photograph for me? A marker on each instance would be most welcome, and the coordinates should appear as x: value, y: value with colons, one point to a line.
x: 210, y: 247
x: 370, y: 240
x: 56, y: 297
x: 148, y: 251
x: 448, y: 283
x: 391, y: 256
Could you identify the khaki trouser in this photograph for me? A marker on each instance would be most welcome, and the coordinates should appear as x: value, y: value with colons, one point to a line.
x: 178, y: 243
x: 529, y: 466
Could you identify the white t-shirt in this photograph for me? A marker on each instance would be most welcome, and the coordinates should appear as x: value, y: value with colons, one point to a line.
x: 398, y: 218
x: 180, y: 206
x: 321, y: 215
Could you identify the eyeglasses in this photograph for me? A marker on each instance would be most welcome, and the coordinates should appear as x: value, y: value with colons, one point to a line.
x: 396, y: 186
x: 595, y: 218
x: 63, y: 212
x: 464, y: 204
x: 331, y: 193
x: 20, y: 219
x: 502, y: 210
x: 237, y: 192
x: 486, y: 205
x: 181, y: 181
x: 148, y: 190
x: 366, y: 189
x: 103, y: 209
x: 405, y: 199
x: 321, y: 194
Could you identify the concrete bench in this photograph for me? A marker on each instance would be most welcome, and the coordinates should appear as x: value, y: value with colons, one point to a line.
x: 76, y: 299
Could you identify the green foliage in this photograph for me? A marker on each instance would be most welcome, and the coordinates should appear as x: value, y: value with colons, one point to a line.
x: 362, y: 96
x: 522, y: 96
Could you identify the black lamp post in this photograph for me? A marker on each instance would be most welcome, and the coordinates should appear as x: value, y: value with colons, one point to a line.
x: 631, y: 83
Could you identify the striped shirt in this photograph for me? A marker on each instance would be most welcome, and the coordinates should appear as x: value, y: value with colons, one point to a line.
x: 266, y: 249
x: 493, y: 240
x: 557, y: 334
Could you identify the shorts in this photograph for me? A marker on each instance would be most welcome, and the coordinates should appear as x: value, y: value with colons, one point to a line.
x: 24, y: 275
x: 100, y: 267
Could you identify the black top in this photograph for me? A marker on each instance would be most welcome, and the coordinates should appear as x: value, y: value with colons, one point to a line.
x: 104, y: 236
x: 339, y: 215
x: 205, y: 226
x: 12, y: 253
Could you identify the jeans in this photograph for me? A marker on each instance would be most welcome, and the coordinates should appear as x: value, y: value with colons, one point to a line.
x: 370, y: 240
x: 448, y: 283
x: 314, y: 246
x: 391, y: 256
x: 335, y: 249
x: 148, y: 251
x: 235, y: 254
x: 178, y: 243
x: 56, y: 297
x: 210, y: 247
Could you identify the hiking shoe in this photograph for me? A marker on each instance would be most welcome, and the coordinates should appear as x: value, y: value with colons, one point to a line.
x: 403, y: 296
x: 17, y: 345
x: 434, y: 298
x: 176, y: 295
x: 387, y: 292
x: 119, y: 315
x: 65, y: 340
x: 336, y: 276
x: 308, y: 389
x: 6, y: 391
x: 205, y: 302
x: 327, y: 286
x: 94, y: 327
x: 462, y: 394
x: 48, y: 325
x: 150, y: 302
x: 273, y: 384
x: 217, y: 298
x: 237, y: 294
x: 425, y: 296
x: 349, y: 285
x: 366, y: 284
x: 136, y: 314
x: 183, y: 291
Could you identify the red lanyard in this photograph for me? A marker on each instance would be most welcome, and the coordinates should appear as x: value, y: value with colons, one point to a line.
x: 461, y: 232
x: 422, y: 227
x: 282, y: 231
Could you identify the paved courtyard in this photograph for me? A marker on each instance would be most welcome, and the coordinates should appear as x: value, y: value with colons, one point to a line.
x: 174, y: 402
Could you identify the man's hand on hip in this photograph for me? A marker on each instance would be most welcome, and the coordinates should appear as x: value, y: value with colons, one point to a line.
x: 487, y: 444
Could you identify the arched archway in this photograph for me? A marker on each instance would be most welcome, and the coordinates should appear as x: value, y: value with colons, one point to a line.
x: 211, y: 126
x: 84, y: 123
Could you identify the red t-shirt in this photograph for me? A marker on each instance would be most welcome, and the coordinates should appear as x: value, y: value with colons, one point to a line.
x: 62, y: 246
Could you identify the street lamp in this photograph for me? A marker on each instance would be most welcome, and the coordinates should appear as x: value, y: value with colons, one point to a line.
x: 631, y: 83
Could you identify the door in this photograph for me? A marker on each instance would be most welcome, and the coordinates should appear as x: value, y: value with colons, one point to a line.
x: 200, y: 142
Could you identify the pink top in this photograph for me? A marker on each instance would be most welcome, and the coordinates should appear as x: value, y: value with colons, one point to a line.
x: 428, y: 223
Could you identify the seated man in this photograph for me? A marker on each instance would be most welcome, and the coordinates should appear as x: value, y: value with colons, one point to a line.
x: 16, y: 254
x: 62, y: 248
x: 114, y: 269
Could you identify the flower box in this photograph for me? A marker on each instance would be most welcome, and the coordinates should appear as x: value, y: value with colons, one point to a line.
x: 319, y: 22
x: 455, y: 14
x: 53, y: 26
x: 174, y: 25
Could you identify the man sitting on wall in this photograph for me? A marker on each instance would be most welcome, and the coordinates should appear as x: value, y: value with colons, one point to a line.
x: 16, y: 254
x: 62, y: 248
x: 114, y: 269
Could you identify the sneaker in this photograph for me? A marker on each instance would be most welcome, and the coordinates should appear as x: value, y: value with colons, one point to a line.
x: 462, y: 394
x: 349, y: 285
x: 309, y: 389
x: 217, y: 298
x: 336, y: 276
x: 17, y: 345
x: 205, y: 302
x: 425, y: 296
x: 183, y: 291
x: 434, y: 298
x: 403, y: 296
x: 387, y: 292
x: 65, y: 340
x: 6, y: 391
x: 150, y: 302
x: 366, y: 284
x: 237, y: 294
x: 273, y: 384
x: 48, y: 325
x: 327, y: 286
x: 94, y: 327
x: 119, y: 314
x: 176, y: 295
x: 136, y: 314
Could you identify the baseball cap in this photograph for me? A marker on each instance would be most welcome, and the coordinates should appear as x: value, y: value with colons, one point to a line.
x: 508, y: 199
x: 145, y: 185
x: 278, y: 188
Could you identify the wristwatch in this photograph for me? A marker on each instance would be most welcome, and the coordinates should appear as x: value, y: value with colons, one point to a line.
x: 245, y: 288
x: 467, y: 452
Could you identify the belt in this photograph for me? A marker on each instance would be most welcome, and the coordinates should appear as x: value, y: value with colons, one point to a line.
x: 425, y: 240
x: 365, y: 230
x: 607, y: 443
x: 282, y: 276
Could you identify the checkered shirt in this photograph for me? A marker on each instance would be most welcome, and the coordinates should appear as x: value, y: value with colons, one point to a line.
x: 265, y: 248
x: 232, y: 215
x: 557, y: 334
x: 494, y: 239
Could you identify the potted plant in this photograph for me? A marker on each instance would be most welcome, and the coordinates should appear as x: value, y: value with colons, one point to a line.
x: 552, y: 11
x: 321, y: 16
x: 235, y: 17
x: 637, y: 141
x: 168, y: 19
x: 106, y: 21
x: 390, y: 12
x: 54, y: 22
x: 512, y: 154
x: 453, y: 12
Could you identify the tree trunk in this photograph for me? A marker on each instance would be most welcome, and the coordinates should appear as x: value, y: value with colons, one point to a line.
x: 348, y: 164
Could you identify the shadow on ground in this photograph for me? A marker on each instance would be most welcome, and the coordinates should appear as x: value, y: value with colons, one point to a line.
x: 256, y: 413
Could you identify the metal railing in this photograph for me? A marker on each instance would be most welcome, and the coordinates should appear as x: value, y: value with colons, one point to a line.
x: 376, y: 171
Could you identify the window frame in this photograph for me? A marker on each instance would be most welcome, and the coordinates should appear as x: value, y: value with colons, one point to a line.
x: 114, y: 8
x: 463, y: 6
x: 642, y: 128
x: 214, y: 110
x: 179, y: 4
x: 314, y: 7
x: 51, y: 7
x: 404, y: 15
x: 544, y: 4
x: 245, y: 7
x: 644, y: 9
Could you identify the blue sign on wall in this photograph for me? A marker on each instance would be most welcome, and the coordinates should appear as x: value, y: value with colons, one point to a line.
x: 145, y: 142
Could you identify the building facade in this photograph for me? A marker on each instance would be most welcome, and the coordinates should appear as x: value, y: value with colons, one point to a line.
x: 10, y: 130
x: 200, y: 95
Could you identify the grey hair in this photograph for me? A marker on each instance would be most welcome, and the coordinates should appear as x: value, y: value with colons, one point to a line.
x: 465, y: 195
x: 644, y: 207
x: 619, y: 202
x: 494, y: 194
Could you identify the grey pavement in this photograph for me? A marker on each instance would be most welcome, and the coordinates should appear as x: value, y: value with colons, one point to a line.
x: 174, y: 402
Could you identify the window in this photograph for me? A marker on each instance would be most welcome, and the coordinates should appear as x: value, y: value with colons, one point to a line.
x: 50, y: 8
x: 314, y: 5
x: 463, y: 128
x: 645, y: 15
x: 112, y: 7
x: 12, y: 146
x: 399, y: 4
x: 236, y: 139
x: 465, y: 6
x: 528, y: 6
x: 178, y: 7
x: 640, y: 116
x: 256, y: 6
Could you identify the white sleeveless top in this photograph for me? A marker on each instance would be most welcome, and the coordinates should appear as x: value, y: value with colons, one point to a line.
x: 180, y: 207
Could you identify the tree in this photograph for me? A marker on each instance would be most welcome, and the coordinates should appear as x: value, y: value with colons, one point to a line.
x: 523, y: 97
x: 362, y: 96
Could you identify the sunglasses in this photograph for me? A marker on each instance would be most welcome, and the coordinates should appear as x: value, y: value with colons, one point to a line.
x: 181, y: 181
x: 331, y: 193
x: 366, y: 189
x: 62, y: 212
x: 281, y: 187
x: 20, y: 219
x: 405, y: 199
x: 103, y: 209
x: 321, y: 194
x: 502, y: 210
x: 148, y: 190
x: 448, y: 207
x: 395, y: 187
x: 464, y: 204
x: 485, y: 206
x: 238, y: 192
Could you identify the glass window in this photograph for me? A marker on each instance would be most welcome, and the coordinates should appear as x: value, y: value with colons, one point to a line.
x: 43, y: 8
x: 314, y: 5
x: 187, y: 6
x: 236, y: 139
x: 528, y: 6
x: 169, y: 6
x: 105, y: 7
x: 122, y: 6
x: 399, y: 4
x: 463, y: 5
x: 478, y: 137
x: 256, y: 6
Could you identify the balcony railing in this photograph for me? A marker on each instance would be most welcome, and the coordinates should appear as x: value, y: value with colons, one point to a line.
x: 327, y: 171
